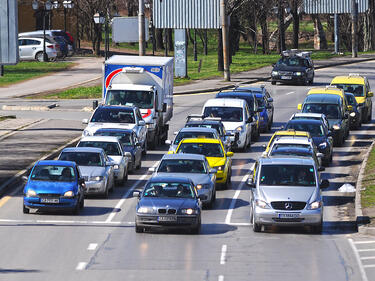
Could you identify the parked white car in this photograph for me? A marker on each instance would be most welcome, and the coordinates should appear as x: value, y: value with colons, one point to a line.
x: 235, y: 116
x: 32, y: 49
x: 113, y: 148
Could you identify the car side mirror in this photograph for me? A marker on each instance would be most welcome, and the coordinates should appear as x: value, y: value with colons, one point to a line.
x: 370, y: 94
x: 137, y: 143
x: 24, y: 178
x: 152, y: 169
x: 250, y: 119
x: 85, y: 121
x: 109, y: 163
x: 136, y: 193
x: 128, y: 154
x: 320, y: 155
x: 169, y: 142
x: 329, y: 133
x: 213, y: 171
x: 270, y: 99
x: 268, y: 106
x: 250, y: 182
x: 324, y: 184
x: 346, y: 115
x: 202, y: 197
x: 230, y: 153
x: 141, y: 123
x: 321, y: 169
x: 175, y: 133
x: 264, y: 146
x: 350, y: 107
x: 299, y: 106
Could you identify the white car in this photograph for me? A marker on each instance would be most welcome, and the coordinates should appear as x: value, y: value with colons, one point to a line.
x: 32, y: 49
x: 117, y: 117
x: 113, y: 148
x: 235, y: 117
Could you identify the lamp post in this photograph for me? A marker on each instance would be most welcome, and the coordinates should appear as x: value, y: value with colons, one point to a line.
x: 99, y: 19
x: 47, y: 7
x: 67, y: 4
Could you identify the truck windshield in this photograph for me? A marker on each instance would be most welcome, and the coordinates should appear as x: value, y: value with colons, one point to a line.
x: 141, y: 99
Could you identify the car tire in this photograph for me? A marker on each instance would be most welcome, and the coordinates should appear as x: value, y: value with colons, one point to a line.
x: 317, y: 229
x: 76, y: 209
x: 256, y: 227
x: 138, y: 229
x: 369, y: 116
x: 273, y: 82
x: 25, y: 210
x: 82, y: 203
x: 106, y: 192
x: 196, y: 229
x: 139, y: 165
x: 312, y: 80
x: 125, y: 176
x: 39, y: 56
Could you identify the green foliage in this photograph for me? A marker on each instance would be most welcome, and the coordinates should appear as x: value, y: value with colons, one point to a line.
x: 77, y: 93
x: 368, y: 182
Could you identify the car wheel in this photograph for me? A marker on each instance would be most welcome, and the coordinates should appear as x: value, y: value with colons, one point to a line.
x: 76, y: 209
x: 312, y: 80
x: 39, y: 56
x: 138, y: 229
x: 106, y: 192
x: 273, y: 82
x: 25, y: 209
x: 125, y: 176
x: 196, y: 229
x: 139, y: 164
x: 317, y: 229
x: 256, y: 227
x: 369, y: 116
x: 82, y: 204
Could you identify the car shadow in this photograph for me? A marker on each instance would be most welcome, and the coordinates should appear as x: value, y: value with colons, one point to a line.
x: 224, y: 203
x: 206, y: 229
x: 87, y: 211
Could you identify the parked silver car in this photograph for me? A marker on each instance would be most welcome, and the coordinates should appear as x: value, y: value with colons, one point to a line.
x: 95, y: 168
x: 286, y: 191
x: 113, y: 148
x: 192, y: 166
x: 32, y: 49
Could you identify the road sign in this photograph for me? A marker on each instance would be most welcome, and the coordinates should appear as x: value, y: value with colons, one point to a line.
x: 125, y: 29
x: 333, y: 6
x: 8, y: 32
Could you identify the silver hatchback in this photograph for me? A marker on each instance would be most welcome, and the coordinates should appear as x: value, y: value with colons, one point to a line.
x: 285, y: 191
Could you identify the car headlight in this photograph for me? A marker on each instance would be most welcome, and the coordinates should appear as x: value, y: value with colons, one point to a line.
x: 145, y: 210
x: 275, y: 73
x: 336, y: 127
x: 315, y: 205
x: 30, y: 193
x: 352, y: 114
x: 239, y: 129
x: 98, y: 178
x: 189, y: 211
x: 115, y: 167
x: 323, y: 145
x: 298, y: 73
x: 203, y: 186
x: 86, y: 133
x: 262, y: 204
x: 220, y: 168
x: 69, y: 194
x: 150, y: 126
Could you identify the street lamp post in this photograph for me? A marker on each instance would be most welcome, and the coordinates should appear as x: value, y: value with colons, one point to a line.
x: 46, y: 8
x: 67, y: 4
x: 99, y: 19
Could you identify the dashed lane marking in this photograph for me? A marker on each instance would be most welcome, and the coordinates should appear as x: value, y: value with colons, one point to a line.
x: 92, y: 246
x: 358, y: 258
x: 223, y: 254
x: 81, y: 266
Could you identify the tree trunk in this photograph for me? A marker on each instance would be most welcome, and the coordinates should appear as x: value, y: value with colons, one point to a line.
x: 320, y: 36
x: 170, y: 40
x: 159, y: 39
x: 295, y: 24
x: 220, y: 58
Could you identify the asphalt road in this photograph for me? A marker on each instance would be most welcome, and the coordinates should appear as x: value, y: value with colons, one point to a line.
x: 101, y: 244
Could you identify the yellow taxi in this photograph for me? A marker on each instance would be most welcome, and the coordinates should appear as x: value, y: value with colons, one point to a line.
x: 360, y: 87
x: 286, y: 133
x: 332, y: 90
x: 215, y: 153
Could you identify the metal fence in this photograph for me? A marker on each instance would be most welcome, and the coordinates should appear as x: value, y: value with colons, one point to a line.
x: 333, y: 6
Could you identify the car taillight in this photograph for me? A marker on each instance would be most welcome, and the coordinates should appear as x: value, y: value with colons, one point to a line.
x: 57, y: 46
x: 50, y: 46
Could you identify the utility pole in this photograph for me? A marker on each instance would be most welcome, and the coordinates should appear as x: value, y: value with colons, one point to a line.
x: 224, y: 28
x: 337, y: 32
x: 354, y: 29
x: 141, y: 27
x: 1, y: 70
x: 281, y: 26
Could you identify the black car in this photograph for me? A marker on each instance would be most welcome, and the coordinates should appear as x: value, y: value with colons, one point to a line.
x: 252, y: 104
x: 355, y: 116
x: 321, y: 135
x: 168, y: 202
x: 293, y: 67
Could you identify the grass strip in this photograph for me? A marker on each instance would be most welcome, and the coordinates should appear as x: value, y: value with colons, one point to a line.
x: 368, y: 182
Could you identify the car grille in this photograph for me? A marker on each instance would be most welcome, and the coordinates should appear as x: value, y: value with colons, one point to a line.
x: 49, y: 195
x: 288, y: 205
x: 288, y: 219
x: 288, y: 73
x: 167, y: 211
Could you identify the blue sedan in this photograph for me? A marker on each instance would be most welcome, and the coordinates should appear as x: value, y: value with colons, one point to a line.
x: 54, y: 185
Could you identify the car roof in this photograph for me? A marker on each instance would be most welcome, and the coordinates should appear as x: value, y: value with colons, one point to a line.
x: 235, y: 94
x: 323, y: 98
x: 287, y: 160
x: 56, y: 162
x: 292, y: 133
x: 83, y: 149
x: 99, y: 139
x: 306, y: 150
x: 251, y: 88
x: 123, y: 107
x: 308, y: 114
x: 291, y: 140
x: 326, y: 90
x: 114, y: 130
x: 198, y: 129
x: 195, y: 140
x: 207, y: 122
x: 225, y: 102
x: 305, y: 121
x: 349, y: 79
x: 169, y: 178
x: 188, y: 156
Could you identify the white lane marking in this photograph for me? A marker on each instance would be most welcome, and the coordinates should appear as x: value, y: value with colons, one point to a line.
x: 233, y: 202
x: 369, y: 265
x: 287, y: 94
x: 126, y: 195
x: 366, y: 250
x: 64, y: 222
x: 81, y: 266
x: 364, y: 242
x: 220, y: 278
x: 358, y: 258
x: 223, y: 254
x: 368, y: 258
x: 92, y: 246
x: 239, y: 223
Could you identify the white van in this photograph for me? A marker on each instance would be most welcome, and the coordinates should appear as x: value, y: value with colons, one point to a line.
x: 235, y: 116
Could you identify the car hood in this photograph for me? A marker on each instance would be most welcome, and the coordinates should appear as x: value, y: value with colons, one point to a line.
x: 92, y: 127
x: 332, y: 122
x: 289, y: 68
x: 196, y: 178
x: 288, y: 193
x: 174, y: 203
x: 128, y: 148
x: 318, y: 140
x: 216, y: 161
x: 92, y: 171
x: 231, y: 126
x: 115, y: 159
x: 50, y: 187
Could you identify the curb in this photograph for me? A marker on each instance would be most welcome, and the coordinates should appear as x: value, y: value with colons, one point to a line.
x: 16, y: 180
x: 361, y: 220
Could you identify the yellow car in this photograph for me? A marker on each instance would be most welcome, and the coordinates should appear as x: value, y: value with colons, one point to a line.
x: 286, y: 133
x: 215, y: 153
x: 360, y: 87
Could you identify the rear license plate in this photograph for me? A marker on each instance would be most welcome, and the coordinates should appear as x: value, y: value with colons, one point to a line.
x: 167, y: 218
x: 289, y: 216
x: 49, y: 200
x: 286, y: 77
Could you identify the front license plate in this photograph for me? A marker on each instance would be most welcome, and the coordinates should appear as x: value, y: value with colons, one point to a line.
x: 168, y: 219
x: 286, y: 77
x: 289, y: 216
x: 49, y: 200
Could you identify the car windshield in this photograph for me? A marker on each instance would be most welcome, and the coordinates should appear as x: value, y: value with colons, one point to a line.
x: 141, y: 99
x: 294, y: 151
x: 227, y: 114
x: 53, y: 173
x: 331, y: 111
x: 287, y: 175
x: 290, y: 145
x: 124, y: 137
x: 351, y: 99
x: 110, y: 148
x: 248, y: 98
x: 206, y: 149
x: 357, y: 90
x: 182, y: 166
x: 83, y: 158
x: 113, y: 115
x: 315, y: 130
x: 169, y: 190
x: 193, y: 135
x: 203, y: 125
x: 294, y: 61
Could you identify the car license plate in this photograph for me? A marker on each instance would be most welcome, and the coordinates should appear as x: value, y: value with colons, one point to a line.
x: 286, y: 77
x: 49, y: 200
x: 289, y: 215
x: 167, y: 219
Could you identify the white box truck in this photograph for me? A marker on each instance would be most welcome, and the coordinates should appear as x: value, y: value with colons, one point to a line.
x: 145, y: 82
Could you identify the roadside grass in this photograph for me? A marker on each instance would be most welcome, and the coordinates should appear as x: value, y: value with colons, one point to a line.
x: 27, y: 70
x: 93, y: 92
x: 2, y: 118
x: 368, y: 182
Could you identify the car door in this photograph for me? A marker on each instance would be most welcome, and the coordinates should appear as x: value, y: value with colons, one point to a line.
x: 124, y: 160
x: 368, y: 99
x: 137, y: 149
x: 142, y: 129
x: 21, y: 46
x: 109, y: 173
x: 32, y: 47
x: 247, y: 124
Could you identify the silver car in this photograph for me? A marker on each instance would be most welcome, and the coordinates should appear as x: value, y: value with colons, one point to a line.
x: 32, y: 49
x: 95, y: 167
x: 113, y: 148
x: 192, y: 166
x: 286, y: 191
